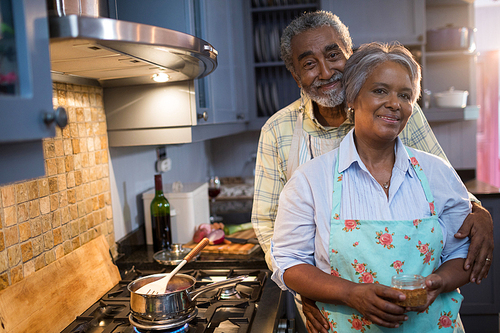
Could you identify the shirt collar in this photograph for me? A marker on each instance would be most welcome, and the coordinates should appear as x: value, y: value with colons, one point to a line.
x: 348, y: 154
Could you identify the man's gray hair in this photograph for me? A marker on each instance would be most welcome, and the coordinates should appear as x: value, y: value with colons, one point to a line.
x: 362, y: 63
x: 309, y: 21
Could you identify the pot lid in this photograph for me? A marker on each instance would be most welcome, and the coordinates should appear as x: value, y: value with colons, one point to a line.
x: 117, y: 53
x: 452, y: 91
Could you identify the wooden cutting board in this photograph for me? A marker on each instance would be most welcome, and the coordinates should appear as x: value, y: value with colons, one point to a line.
x: 51, y: 298
x: 231, y: 248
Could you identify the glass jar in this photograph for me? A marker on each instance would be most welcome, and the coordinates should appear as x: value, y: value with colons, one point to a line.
x: 413, y: 286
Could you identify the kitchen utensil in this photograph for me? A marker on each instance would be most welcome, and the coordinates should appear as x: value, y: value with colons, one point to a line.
x: 451, y: 38
x: 178, y: 304
x: 451, y: 98
x: 160, y: 286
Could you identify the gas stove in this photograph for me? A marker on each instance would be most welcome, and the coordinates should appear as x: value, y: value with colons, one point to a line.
x: 225, y: 310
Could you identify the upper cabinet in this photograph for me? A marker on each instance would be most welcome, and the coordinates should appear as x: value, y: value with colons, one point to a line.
x: 221, y: 98
x: 381, y: 20
x: 449, y: 59
x: 26, y: 113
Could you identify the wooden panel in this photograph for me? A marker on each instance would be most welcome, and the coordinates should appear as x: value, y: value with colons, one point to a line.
x: 51, y: 298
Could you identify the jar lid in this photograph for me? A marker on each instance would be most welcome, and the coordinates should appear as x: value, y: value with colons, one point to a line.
x: 408, y: 281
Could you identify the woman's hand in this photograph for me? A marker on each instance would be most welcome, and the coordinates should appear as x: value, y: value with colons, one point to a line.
x: 434, y: 285
x: 373, y: 301
x: 479, y: 227
x: 316, y: 323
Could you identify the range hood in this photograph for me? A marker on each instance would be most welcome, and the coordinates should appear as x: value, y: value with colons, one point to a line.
x: 121, y: 53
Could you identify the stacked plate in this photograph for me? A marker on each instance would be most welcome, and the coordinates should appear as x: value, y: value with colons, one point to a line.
x: 267, y: 45
x: 267, y: 98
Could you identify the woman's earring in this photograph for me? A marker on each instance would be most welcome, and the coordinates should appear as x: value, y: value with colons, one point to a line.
x: 350, y: 114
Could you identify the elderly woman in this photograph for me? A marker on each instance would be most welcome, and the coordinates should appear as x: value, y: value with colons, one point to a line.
x: 351, y: 219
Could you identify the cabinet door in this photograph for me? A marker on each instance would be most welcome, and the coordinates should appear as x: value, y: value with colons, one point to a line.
x: 227, y: 86
x: 25, y: 89
x: 381, y: 20
x: 25, y: 82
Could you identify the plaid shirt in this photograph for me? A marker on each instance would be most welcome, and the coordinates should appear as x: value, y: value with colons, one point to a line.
x: 274, y: 147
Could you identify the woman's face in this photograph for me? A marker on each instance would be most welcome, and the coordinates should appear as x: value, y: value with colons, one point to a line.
x: 383, y: 105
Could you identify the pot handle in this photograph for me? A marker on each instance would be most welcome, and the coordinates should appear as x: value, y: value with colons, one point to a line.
x: 193, y: 294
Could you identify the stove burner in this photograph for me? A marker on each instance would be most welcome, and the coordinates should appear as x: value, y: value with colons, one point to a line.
x: 230, y: 293
x: 182, y: 329
x: 158, y: 326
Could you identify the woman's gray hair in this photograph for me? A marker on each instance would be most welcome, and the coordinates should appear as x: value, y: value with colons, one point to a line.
x: 362, y: 63
x: 309, y: 21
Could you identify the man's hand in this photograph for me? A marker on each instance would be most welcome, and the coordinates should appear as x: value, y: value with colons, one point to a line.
x: 316, y: 323
x: 479, y: 227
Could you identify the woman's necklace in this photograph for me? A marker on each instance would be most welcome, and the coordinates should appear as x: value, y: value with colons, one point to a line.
x: 386, y: 184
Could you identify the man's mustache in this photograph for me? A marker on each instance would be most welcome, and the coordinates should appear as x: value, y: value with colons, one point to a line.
x: 335, y: 77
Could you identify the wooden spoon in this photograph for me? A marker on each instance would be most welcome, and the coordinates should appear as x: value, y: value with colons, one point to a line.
x: 160, y: 286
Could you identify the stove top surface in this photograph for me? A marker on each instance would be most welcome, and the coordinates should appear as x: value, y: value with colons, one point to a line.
x: 223, y: 310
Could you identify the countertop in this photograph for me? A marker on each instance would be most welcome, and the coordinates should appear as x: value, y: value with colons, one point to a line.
x: 478, y: 187
x: 142, y: 258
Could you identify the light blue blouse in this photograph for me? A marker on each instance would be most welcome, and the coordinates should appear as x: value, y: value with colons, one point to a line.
x: 302, y: 228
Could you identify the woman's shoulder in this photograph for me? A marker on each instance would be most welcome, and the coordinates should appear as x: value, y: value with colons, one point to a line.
x: 434, y: 166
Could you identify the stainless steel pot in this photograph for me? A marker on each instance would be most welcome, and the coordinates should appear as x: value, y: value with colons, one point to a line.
x: 92, y: 8
x: 173, y: 307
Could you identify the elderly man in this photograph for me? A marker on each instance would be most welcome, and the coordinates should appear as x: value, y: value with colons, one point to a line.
x: 315, y: 48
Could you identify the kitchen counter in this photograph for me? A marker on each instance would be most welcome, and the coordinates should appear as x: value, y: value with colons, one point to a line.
x: 478, y: 187
x: 142, y: 258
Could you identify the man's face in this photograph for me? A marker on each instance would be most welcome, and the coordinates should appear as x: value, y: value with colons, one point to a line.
x: 319, y: 60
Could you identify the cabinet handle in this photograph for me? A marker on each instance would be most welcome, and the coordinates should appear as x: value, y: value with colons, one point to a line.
x: 203, y: 115
x: 240, y: 116
x: 59, y: 116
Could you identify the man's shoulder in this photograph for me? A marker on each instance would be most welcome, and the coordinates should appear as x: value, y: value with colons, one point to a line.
x: 286, y: 115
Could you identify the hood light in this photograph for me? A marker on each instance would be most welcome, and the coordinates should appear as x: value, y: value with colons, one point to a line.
x: 160, y: 77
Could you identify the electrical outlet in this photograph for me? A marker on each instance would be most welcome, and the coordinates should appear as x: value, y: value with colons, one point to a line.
x: 164, y: 165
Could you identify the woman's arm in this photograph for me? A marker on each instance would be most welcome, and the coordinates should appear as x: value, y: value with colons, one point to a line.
x: 373, y: 301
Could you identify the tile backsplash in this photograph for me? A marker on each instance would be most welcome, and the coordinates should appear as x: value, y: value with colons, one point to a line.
x: 43, y: 219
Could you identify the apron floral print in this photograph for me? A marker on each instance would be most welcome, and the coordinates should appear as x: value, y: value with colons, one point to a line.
x: 409, y: 247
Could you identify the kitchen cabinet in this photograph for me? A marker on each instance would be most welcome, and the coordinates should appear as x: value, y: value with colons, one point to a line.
x: 221, y: 97
x: 25, y: 89
x: 446, y: 68
x: 272, y: 86
x: 481, y: 307
x: 406, y: 17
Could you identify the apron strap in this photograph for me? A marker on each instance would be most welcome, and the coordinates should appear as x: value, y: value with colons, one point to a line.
x: 423, y: 180
x: 337, y: 190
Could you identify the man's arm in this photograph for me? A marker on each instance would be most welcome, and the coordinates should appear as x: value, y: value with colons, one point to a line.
x: 479, y: 224
x: 269, y: 182
x: 479, y: 227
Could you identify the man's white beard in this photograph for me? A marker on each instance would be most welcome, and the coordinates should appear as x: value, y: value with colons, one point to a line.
x: 333, y: 97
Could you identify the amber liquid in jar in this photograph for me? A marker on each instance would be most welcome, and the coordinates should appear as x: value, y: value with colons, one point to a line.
x: 413, y: 286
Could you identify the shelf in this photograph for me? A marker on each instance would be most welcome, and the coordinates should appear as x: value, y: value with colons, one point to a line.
x: 449, y: 54
x: 470, y: 112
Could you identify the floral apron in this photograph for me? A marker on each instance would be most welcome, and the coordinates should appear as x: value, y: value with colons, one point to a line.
x: 402, y: 247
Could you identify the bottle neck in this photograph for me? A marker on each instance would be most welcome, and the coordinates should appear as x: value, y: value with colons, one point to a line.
x: 158, y: 185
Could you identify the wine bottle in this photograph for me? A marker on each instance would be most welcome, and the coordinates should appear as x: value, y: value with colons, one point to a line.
x: 160, y: 218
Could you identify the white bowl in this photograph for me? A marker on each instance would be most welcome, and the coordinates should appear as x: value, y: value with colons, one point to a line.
x: 452, y: 98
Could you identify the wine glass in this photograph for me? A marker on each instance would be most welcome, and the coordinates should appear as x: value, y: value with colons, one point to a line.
x: 213, y: 192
